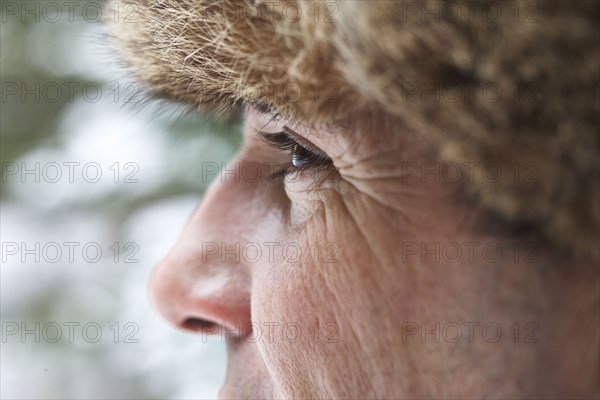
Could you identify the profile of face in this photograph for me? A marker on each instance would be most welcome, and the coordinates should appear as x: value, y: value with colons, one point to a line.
x: 333, y: 268
x: 350, y: 250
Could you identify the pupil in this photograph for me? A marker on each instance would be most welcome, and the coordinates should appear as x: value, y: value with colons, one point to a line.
x: 299, y: 156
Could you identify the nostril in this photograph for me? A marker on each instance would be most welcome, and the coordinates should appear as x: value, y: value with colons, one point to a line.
x: 200, y: 325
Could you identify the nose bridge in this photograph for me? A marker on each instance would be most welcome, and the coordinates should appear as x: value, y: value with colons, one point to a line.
x: 198, y: 286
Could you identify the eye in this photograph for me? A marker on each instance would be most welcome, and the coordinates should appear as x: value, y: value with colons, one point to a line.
x: 302, y: 156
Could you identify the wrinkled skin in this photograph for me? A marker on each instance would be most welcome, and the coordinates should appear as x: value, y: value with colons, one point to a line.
x: 348, y: 320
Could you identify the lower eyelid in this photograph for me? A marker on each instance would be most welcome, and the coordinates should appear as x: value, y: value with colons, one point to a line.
x: 318, y: 177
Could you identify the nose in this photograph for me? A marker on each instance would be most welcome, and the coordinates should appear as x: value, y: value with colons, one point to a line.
x: 200, y: 286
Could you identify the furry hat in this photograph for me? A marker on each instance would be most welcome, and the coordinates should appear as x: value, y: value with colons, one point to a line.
x: 507, y: 86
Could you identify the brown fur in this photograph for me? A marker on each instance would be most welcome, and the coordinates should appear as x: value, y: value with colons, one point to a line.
x: 209, y: 54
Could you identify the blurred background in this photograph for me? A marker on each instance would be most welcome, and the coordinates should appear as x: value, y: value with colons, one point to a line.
x: 96, y: 184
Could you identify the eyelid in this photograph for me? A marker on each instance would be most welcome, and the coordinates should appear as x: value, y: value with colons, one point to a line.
x: 266, y: 109
x: 304, y: 142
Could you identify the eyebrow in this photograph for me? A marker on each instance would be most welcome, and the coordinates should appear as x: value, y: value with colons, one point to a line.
x: 264, y: 108
x: 267, y: 109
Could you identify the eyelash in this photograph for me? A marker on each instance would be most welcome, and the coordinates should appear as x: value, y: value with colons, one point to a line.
x: 288, y: 145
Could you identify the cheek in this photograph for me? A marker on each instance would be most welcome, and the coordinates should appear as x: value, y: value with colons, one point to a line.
x: 306, y: 309
x: 295, y: 310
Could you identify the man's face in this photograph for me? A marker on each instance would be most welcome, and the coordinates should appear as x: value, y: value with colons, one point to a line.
x: 335, y: 266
